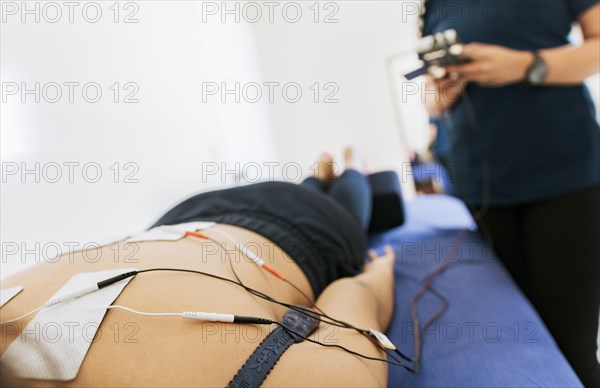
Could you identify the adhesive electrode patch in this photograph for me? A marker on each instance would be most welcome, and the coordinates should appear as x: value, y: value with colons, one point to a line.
x: 55, y: 342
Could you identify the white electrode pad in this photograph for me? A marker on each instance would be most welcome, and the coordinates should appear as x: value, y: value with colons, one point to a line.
x: 8, y: 294
x: 169, y: 232
x: 56, y: 340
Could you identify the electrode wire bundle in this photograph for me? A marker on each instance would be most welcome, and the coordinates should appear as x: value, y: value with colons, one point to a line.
x: 477, y: 217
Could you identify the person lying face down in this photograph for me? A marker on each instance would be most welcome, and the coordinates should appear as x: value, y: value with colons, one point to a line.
x: 312, y: 235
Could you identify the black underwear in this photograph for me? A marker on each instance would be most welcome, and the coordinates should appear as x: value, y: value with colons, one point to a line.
x: 320, y: 235
x: 264, y: 358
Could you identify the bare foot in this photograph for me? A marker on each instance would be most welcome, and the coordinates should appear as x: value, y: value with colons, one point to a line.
x: 325, y: 171
x: 385, y: 260
x: 354, y: 161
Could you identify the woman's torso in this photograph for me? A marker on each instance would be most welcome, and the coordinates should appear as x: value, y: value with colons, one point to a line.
x: 540, y: 141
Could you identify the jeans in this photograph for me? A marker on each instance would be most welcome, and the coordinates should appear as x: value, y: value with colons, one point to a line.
x: 351, y: 190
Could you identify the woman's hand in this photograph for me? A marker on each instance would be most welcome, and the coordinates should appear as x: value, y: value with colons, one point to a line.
x: 447, y: 93
x: 492, y: 65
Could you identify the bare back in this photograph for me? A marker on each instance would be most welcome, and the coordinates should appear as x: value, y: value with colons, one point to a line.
x: 133, y: 350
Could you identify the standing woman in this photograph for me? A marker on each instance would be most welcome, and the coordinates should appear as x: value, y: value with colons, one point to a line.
x: 519, y: 113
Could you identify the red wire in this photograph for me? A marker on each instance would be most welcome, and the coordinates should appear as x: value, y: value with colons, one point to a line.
x: 196, y: 234
x: 265, y: 266
x: 428, y: 281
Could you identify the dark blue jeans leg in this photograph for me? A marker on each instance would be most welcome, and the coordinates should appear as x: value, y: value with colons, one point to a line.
x: 352, y: 191
x: 315, y: 184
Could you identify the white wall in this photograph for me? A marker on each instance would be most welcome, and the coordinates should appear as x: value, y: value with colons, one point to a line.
x: 174, y: 131
x: 166, y: 136
x: 351, y: 53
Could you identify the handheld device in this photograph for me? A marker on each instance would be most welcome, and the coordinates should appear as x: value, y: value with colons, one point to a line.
x: 437, y: 51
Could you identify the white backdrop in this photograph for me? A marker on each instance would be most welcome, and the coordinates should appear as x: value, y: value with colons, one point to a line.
x: 181, y: 136
x: 165, y: 136
x: 344, y: 51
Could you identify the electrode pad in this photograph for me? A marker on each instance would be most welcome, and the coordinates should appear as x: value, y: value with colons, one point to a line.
x: 8, y: 294
x: 169, y: 232
x: 56, y: 340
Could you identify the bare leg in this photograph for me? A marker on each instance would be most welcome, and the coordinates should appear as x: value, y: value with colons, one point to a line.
x: 365, y: 301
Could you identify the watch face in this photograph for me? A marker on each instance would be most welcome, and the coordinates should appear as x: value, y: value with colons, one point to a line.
x: 537, y: 72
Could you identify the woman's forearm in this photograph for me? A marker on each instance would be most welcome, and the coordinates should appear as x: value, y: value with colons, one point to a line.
x: 493, y: 65
x: 572, y: 65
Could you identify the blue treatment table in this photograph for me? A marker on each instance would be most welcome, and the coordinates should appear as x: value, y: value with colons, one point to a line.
x: 490, y: 335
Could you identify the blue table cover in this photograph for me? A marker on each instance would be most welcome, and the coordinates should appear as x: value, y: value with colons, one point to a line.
x: 490, y: 336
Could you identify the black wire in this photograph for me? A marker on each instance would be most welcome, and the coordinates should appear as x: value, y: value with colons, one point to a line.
x: 300, y: 309
x: 319, y: 315
x: 312, y: 314
x: 478, y: 216
x: 343, y: 348
x: 485, y: 163
x: 475, y: 127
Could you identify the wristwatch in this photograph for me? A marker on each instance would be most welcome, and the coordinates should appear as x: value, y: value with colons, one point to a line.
x: 538, y: 71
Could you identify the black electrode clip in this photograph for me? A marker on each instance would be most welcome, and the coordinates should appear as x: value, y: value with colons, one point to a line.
x: 114, y: 279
